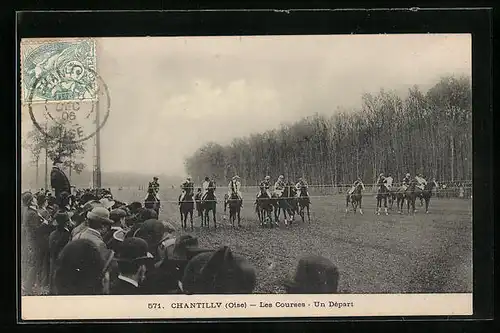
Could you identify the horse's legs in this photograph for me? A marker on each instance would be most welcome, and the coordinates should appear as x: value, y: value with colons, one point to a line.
x: 427, y: 200
x: 215, y: 222
x: 347, y: 204
x: 360, y: 209
x: 385, y: 205
x: 308, y: 215
x: 191, y: 218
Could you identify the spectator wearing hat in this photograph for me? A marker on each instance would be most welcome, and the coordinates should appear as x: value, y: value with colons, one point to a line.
x: 82, y: 269
x: 107, y: 203
x: 314, y: 275
x: 143, y: 214
x: 166, y: 276
x: 57, y: 241
x: 118, y: 217
x: 99, y: 224
x: 42, y: 203
x: 31, y: 220
x: 219, y: 272
x: 43, y: 231
x: 81, y: 218
x: 153, y: 232
x: 132, y: 259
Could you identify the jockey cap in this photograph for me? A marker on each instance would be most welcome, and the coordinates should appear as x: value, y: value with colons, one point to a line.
x: 155, y: 178
x: 267, y: 178
x: 207, y: 179
x: 408, y: 175
x: 188, y: 178
x: 236, y: 177
x: 381, y: 175
x: 281, y: 177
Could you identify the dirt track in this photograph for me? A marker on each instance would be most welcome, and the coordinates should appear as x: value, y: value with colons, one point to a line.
x: 375, y: 254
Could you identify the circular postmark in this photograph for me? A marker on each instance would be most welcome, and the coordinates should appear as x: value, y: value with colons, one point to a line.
x: 76, y: 103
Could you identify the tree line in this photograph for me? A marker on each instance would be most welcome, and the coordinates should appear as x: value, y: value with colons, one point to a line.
x: 428, y: 133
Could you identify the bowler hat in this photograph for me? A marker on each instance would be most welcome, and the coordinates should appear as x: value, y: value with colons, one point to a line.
x: 134, y: 206
x: 62, y: 218
x: 218, y: 272
x: 151, y: 231
x: 134, y: 250
x: 314, y: 275
x: 100, y: 214
x: 185, y: 248
x: 117, y: 214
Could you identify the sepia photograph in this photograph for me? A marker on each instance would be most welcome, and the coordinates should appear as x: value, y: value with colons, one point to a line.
x: 307, y: 171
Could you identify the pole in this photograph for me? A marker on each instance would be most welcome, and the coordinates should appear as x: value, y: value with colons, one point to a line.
x: 46, y: 160
x: 98, y: 147
x: 97, y: 179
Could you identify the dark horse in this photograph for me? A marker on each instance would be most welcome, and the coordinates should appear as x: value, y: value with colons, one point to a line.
x: 304, y: 202
x: 382, y: 194
x: 186, y: 208
x: 264, y: 208
x: 355, y: 198
x: 399, y: 195
x: 413, y: 192
x: 151, y: 202
x: 197, y: 200
x: 207, y: 205
x: 234, y: 207
x: 287, y: 203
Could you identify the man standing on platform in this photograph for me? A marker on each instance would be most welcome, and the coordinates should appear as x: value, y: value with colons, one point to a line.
x: 58, y: 179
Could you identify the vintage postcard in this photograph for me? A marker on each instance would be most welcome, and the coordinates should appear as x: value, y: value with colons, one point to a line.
x: 246, y: 176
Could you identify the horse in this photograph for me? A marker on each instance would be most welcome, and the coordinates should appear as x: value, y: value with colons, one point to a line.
x: 152, y: 202
x: 197, y: 200
x: 424, y: 195
x: 264, y: 208
x: 235, y: 204
x: 304, y: 201
x: 355, y: 198
x: 186, y: 208
x: 399, y: 195
x: 287, y: 202
x: 207, y: 205
x: 382, y: 193
x: 412, y: 192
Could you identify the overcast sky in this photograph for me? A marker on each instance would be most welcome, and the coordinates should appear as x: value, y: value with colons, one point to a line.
x: 182, y: 92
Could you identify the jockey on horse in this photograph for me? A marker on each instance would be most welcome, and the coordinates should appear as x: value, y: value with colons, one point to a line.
x: 356, y: 183
x: 406, y: 181
x: 234, y: 187
x: 154, y: 188
x: 388, y: 182
x: 187, y: 188
x: 264, y: 187
x: 383, y: 191
x: 302, y: 186
x: 279, y: 186
x: 204, y: 187
x: 421, y: 182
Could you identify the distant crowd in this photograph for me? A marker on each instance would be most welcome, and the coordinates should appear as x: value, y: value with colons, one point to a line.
x: 89, y: 243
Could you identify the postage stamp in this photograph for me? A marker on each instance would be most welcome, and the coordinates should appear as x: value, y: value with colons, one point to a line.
x: 74, y: 60
x: 61, y: 88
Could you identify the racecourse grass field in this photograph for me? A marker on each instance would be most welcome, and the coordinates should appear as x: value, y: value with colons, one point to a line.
x: 421, y: 253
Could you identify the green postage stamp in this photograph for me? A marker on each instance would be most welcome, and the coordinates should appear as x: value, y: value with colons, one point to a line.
x: 58, y: 69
